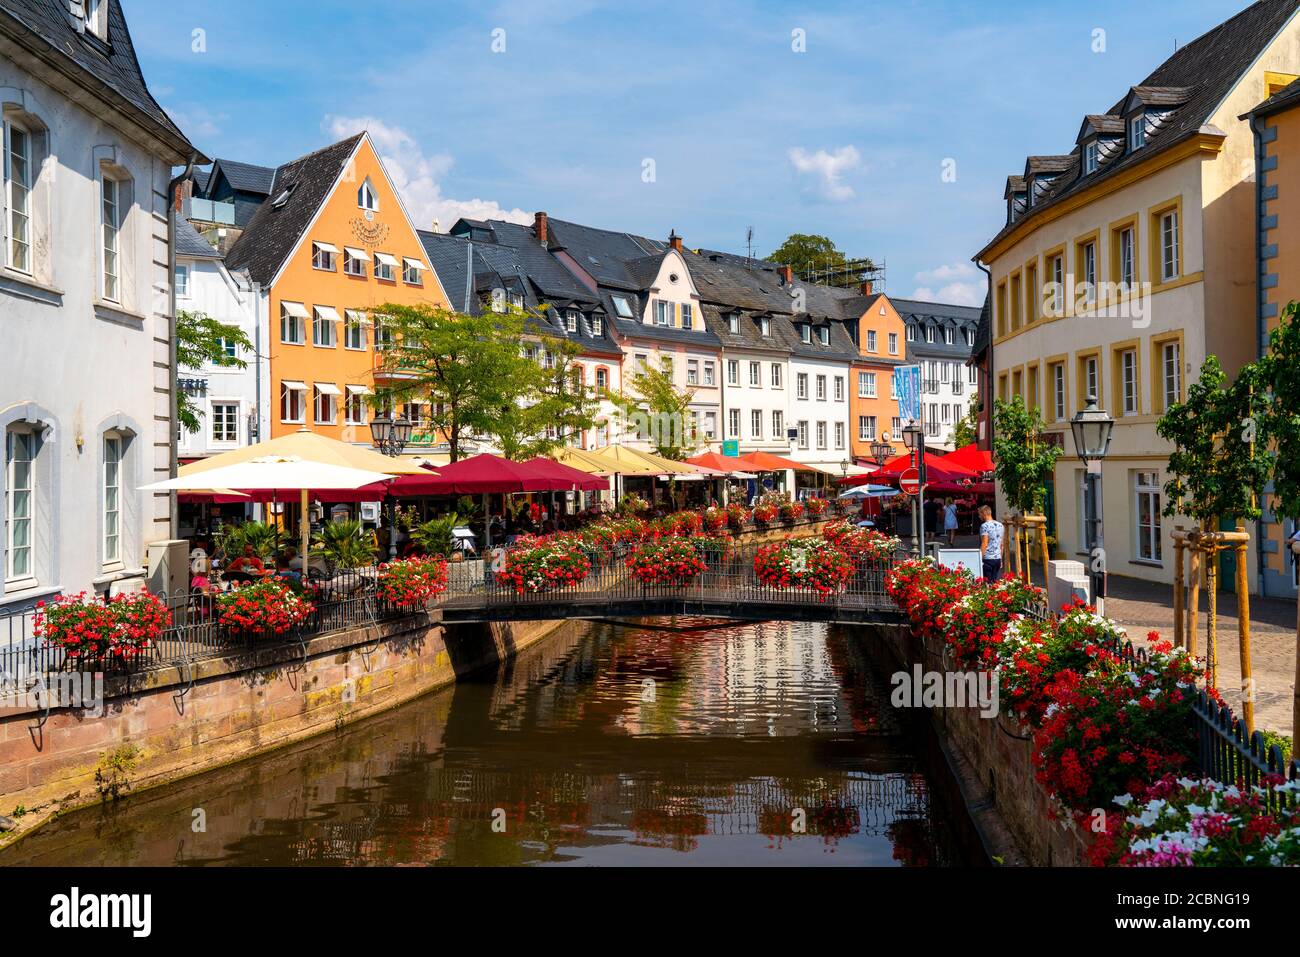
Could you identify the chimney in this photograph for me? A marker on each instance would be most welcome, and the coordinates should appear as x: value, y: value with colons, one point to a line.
x: 436, y: 224
x: 787, y: 275
x: 866, y: 287
x: 675, y: 241
x: 539, y: 227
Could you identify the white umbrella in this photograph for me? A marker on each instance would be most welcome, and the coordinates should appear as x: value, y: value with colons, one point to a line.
x: 275, y: 473
x: 869, y: 491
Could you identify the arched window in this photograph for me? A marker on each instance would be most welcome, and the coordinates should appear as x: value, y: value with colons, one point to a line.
x: 367, y: 198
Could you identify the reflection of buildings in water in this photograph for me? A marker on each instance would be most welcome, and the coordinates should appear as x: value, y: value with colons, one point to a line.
x: 547, y: 811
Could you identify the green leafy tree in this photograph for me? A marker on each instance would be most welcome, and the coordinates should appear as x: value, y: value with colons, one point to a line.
x: 474, y: 371
x: 658, y: 412
x: 806, y: 252
x: 1025, y: 461
x: 551, y: 404
x: 1216, y: 469
x: 967, y: 429
x: 201, y: 339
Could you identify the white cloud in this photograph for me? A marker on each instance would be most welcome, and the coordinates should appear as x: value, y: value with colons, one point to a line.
x: 826, y: 170
x: 417, y: 175
x: 958, y: 284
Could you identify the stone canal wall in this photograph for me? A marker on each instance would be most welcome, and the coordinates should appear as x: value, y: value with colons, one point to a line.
x: 992, y: 760
x: 173, y: 722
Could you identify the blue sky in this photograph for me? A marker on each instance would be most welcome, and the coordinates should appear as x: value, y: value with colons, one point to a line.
x: 848, y: 138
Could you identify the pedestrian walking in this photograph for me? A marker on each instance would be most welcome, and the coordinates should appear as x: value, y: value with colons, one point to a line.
x: 950, y: 520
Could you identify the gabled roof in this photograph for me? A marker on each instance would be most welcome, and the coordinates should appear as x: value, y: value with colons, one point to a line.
x: 190, y: 244
x: 1100, y: 125
x: 1283, y: 99
x: 1199, y: 76
x: 111, y: 71
x: 275, y: 230
x: 1015, y: 184
x: 244, y: 177
x: 736, y: 282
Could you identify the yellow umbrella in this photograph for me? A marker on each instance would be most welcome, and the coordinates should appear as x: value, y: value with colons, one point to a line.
x: 625, y: 461
x: 667, y: 466
x: 307, y: 446
x: 583, y: 461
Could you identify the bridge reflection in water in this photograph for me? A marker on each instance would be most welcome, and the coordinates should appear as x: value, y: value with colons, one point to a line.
x: 667, y: 742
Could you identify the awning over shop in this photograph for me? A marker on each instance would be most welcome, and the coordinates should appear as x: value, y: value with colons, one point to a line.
x: 295, y: 309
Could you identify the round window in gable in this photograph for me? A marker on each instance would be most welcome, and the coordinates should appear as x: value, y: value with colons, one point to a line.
x: 672, y: 277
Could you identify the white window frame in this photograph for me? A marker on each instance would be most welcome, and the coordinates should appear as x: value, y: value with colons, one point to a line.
x: 17, y: 224
x: 322, y: 258
x: 839, y: 435
x: 776, y: 375
x: 295, y: 323
x: 322, y: 329
x: 871, y: 340
x: 1137, y: 132
x: 802, y: 429
x: 755, y: 375
x: 733, y: 423
x: 839, y: 388
x: 287, y: 404
x: 733, y: 372
x: 778, y: 425
x: 354, y: 330
x: 1169, y: 243
x: 756, y: 424
x: 110, y: 252
x: 1058, y: 392
x: 822, y: 434
x: 801, y: 386
x: 1090, y: 157
x: 893, y: 343
x: 820, y: 386
x: 692, y: 371
x: 1127, y: 263
x: 1128, y: 370
x: 1147, y: 537
x: 1171, y: 372
x: 223, y: 415
x: 27, y: 519
x: 330, y: 403
x: 688, y: 316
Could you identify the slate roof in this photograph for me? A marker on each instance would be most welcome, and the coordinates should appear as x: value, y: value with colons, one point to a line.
x: 274, y: 231
x: 984, y: 330
x: 110, y: 70
x: 190, y: 244
x: 518, y: 263
x: 915, y: 312
x: 1199, y: 75
x: 603, y: 253
x: 244, y: 177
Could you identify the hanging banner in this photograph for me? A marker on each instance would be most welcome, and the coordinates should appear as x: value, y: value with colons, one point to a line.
x: 907, y: 385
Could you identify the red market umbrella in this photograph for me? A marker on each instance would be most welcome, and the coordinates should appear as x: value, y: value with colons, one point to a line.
x: 723, y: 463
x: 937, y: 469
x: 971, y: 457
x: 484, y: 474
x: 576, y: 480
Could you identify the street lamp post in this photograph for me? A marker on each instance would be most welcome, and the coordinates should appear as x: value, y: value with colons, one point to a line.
x: 880, y: 451
x: 1092, y: 428
x: 914, y: 439
x: 390, y: 435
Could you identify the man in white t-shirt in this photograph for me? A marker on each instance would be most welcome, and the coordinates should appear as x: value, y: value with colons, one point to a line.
x: 993, y: 539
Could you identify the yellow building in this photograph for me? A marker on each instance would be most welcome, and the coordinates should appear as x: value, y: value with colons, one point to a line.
x: 1126, y: 261
x: 1276, y: 123
x: 331, y: 242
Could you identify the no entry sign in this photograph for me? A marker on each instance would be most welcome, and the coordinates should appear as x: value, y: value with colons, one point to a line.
x: 910, y: 481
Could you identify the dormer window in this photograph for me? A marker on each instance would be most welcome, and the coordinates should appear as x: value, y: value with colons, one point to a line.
x: 598, y: 326
x: 571, y: 320
x: 97, y: 18
x: 805, y: 332
x: 1090, y: 158
x: 929, y: 333
x: 733, y: 324
x: 765, y: 327
x: 824, y: 335
x: 1137, y: 132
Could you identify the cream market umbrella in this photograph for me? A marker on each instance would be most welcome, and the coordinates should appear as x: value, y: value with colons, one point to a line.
x: 308, y: 446
x: 276, y: 473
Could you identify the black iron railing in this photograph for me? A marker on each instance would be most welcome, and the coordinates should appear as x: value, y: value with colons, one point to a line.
x: 728, y: 584
x: 342, y: 600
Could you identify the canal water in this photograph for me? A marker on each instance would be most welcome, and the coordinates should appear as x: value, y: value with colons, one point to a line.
x: 662, y: 742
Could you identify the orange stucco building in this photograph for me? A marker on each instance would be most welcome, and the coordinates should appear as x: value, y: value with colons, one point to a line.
x: 873, y: 406
x: 331, y: 243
